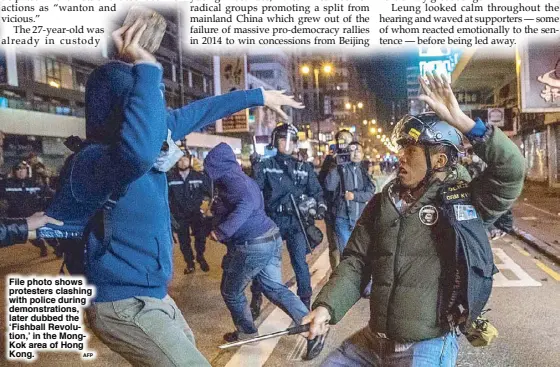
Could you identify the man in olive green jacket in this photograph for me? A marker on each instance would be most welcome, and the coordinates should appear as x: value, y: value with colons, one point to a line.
x: 408, y: 243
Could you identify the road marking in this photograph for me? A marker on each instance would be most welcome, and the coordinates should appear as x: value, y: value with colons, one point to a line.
x: 256, y: 355
x: 541, y: 265
x: 521, y: 250
x: 298, y: 350
x: 548, y: 270
x: 529, y: 218
x: 523, y: 279
x: 541, y: 210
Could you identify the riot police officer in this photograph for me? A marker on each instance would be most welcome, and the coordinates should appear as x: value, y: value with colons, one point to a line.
x: 187, y: 190
x: 279, y: 177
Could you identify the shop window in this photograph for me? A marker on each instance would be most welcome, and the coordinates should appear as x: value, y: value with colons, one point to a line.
x: 66, y: 77
x: 168, y: 70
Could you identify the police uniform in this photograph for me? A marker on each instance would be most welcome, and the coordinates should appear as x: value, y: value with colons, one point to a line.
x: 185, y: 198
x: 24, y: 197
x: 278, y: 177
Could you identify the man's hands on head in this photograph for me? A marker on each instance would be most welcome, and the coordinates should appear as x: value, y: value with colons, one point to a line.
x: 126, y: 41
x: 319, y: 322
x: 439, y: 96
x: 275, y: 99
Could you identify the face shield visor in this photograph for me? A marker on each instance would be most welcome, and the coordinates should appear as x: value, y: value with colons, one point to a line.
x: 289, y: 141
x: 407, y: 131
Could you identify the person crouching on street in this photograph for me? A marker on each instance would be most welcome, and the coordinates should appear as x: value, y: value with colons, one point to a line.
x: 254, y: 244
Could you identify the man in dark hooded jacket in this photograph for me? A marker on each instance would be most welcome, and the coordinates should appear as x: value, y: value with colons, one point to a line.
x: 254, y: 245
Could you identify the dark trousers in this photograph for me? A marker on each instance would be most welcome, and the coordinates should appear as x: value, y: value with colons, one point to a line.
x: 195, y: 223
x: 505, y: 222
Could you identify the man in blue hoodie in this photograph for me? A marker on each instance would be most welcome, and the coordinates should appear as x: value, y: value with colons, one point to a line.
x: 254, y: 244
x: 127, y: 120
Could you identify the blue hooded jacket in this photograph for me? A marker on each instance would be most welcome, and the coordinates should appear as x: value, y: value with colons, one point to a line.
x: 126, y: 114
x: 241, y: 205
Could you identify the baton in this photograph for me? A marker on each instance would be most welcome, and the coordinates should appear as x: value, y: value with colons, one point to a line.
x: 254, y: 139
x: 290, y: 331
x: 300, y: 221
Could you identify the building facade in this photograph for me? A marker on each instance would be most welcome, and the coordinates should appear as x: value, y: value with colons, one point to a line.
x: 42, y: 95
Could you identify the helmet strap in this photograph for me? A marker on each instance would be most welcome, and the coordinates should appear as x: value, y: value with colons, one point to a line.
x: 429, y: 169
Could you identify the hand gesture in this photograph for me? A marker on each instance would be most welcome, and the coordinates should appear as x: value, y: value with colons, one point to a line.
x: 439, y: 96
x: 39, y: 219
x: 275, y: 99
x: 126, y: 41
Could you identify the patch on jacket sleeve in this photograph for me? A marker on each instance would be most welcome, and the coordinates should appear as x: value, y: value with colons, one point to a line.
x: 465, y: 212
x: 458, y: 193
x: 428, y: 215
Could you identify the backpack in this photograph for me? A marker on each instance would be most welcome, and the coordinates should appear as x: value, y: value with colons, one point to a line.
x: 72, y: 240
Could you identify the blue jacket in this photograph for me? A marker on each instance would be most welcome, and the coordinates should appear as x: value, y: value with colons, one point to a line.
x: 240, y: 205
x: 125, y: 112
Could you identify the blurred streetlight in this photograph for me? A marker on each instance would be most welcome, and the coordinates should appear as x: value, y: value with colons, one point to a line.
x: 378, y: 136
x: 374, y: 121
x: 327, y: 69
x: 365, y: 122
x: 379, y: 130
x: 372, y: 130
x: 353, y: 107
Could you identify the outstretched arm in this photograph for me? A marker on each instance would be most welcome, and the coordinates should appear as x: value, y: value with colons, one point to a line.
x: 198, y: 114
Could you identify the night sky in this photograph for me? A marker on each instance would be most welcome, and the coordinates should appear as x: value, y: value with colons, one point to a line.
x: 386, y: 77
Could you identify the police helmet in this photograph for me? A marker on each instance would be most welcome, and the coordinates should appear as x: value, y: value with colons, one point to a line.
x: 426, y: 129
x: 20, y: 165
x: 284, y: 131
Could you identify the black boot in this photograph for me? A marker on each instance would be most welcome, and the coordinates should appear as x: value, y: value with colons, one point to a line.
x: 256, y: 303
x: 189, y: 269
x: 315, y: 346
x: 236, y: 336
x: 203, y: 265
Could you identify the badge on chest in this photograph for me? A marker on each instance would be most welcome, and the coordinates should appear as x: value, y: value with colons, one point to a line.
x: 428, y: 215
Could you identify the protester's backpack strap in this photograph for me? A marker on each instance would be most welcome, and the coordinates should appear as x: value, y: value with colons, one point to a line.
x: 108, y: 216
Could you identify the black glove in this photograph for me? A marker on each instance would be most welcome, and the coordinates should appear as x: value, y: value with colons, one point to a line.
x: 321, y: 211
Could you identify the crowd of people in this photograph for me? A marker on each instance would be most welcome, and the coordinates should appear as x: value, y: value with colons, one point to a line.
x: 404, y: 246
